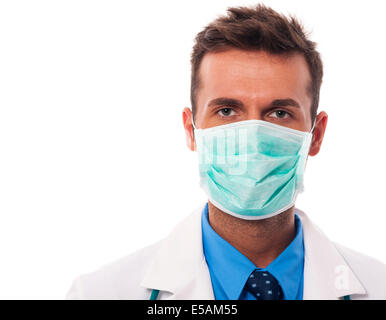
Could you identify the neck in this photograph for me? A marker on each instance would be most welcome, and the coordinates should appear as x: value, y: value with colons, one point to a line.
x: 261, y: 241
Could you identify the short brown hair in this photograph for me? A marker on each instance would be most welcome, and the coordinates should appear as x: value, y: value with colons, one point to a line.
x: 257, y: 28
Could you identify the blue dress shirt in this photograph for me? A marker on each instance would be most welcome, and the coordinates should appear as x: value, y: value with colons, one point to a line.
x: 229, y: 269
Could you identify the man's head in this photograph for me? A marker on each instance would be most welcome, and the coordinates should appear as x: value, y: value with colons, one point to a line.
x: 254, y: 63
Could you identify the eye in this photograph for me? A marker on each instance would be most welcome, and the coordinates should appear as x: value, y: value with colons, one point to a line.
x: 226, y: 112
x: 280, y: 114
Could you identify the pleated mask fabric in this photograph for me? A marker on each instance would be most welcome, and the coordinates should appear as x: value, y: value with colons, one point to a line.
x: 252, y: 169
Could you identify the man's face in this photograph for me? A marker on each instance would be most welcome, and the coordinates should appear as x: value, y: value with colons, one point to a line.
x: 239, y: 85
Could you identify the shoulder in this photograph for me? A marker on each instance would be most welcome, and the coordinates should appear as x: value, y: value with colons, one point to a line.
x: 117, y: 280
x: 370, y: 271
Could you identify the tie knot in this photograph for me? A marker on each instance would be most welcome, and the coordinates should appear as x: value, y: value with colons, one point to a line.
x: 264, y: 286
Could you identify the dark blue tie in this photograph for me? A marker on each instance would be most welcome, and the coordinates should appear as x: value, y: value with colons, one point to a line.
x: 264, y: 286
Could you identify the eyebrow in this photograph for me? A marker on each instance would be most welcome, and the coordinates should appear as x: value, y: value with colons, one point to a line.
x: 237, y: 103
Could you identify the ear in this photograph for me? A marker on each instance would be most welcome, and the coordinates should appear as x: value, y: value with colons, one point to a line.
x: 187, y: 122
x: 319, y: 129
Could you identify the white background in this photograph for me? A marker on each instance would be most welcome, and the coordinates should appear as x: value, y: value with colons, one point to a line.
x: 93, y: 162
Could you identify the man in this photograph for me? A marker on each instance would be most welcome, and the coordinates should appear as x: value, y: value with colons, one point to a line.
x: 255, y: 88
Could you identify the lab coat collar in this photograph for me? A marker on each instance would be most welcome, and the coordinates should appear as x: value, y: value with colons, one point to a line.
x: 327, y: 276
x: 179, y: 266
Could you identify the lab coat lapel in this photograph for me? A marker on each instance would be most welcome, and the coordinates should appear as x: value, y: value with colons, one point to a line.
x: 179, y: 267
x: 327, y: 276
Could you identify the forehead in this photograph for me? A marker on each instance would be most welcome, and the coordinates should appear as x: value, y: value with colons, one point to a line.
x: 254, y: 75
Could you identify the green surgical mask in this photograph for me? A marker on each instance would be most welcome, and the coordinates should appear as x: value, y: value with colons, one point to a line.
x: 252, y: 169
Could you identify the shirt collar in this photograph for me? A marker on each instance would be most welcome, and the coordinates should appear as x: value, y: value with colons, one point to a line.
x: 232, y: 268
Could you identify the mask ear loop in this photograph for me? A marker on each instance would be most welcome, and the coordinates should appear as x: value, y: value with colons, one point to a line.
x: 307, y: 144
x: 313, y: 127
x: 194, y: 127
x: 312, y: 135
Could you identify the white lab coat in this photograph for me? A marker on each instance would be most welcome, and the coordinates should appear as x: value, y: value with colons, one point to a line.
x: 177, y: 267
